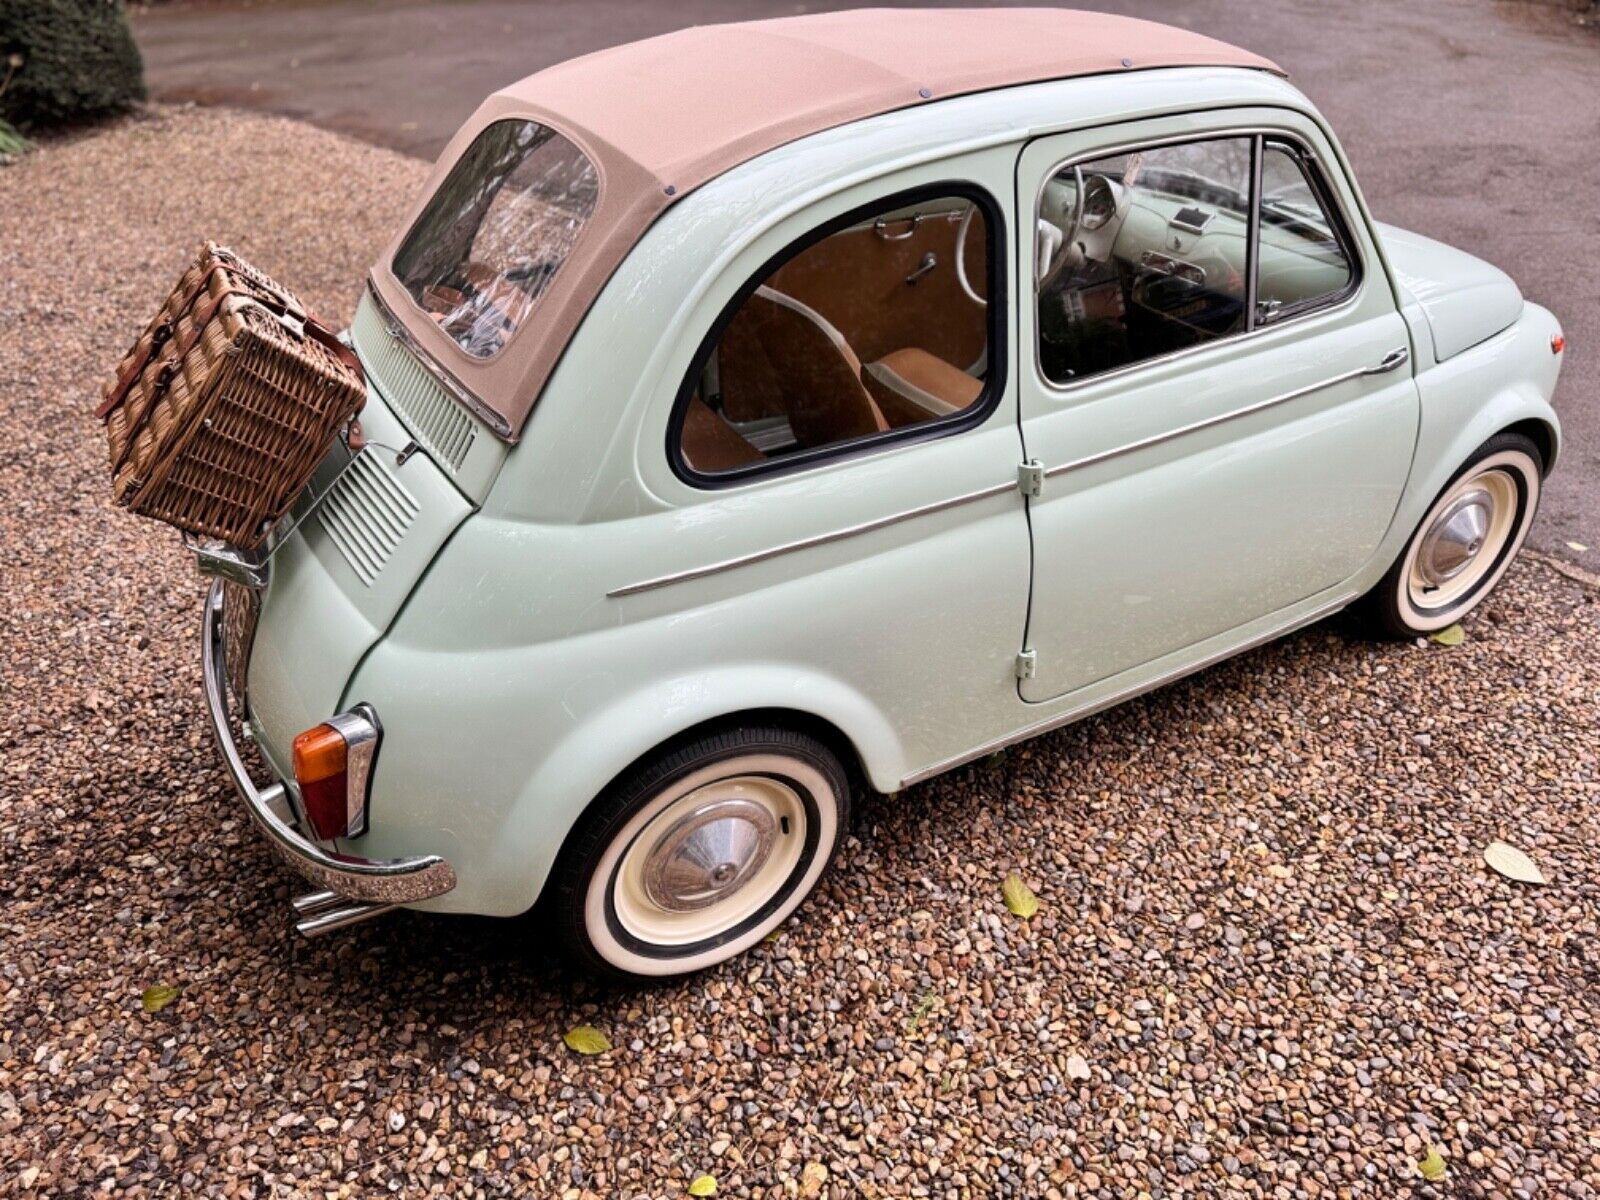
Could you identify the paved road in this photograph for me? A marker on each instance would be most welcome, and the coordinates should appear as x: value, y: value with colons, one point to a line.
x: 1475, y: 123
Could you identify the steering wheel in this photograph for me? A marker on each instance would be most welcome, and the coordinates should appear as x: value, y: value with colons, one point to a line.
x: 961, y: 258
x: 1064, y: 238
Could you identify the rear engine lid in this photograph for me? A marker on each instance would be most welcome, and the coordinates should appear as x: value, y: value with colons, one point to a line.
x: 342, y: 575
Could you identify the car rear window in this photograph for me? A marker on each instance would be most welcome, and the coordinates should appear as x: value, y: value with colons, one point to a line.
x: 496, y: 232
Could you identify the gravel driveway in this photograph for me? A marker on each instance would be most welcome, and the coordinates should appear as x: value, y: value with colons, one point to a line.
x: 1268, y: 961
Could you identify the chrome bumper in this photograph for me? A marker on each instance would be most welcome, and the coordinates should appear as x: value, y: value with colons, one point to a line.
x: 353, y: 888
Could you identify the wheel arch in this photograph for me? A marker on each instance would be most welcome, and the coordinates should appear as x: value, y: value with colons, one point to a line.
x: 607, y: 745
x: 1544, y: 435
x: 1502, y: 385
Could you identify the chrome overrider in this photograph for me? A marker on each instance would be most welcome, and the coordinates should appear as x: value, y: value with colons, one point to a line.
x: 351, y: 889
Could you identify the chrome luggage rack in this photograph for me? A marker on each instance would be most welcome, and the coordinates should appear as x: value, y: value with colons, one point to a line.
x: 217, y: 559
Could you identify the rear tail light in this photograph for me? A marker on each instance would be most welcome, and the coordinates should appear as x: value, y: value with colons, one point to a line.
x: 333, y: 766
x: 1558, y: 343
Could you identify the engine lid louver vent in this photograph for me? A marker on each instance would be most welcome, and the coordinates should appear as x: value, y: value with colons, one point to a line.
x: 416, y: 396
x: 367, y: 515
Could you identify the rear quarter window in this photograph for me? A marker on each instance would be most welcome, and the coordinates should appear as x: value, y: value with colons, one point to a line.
x: 496, y: 232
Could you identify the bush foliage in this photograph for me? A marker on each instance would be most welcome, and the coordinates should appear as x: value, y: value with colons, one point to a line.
x: 66, y: 60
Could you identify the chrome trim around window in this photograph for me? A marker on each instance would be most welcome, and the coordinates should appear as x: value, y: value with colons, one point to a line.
x: 1266, y: 133
x: 821, y: 539
x: 1390, y: 362
x: 458, y: 391
x: 1089, y: 709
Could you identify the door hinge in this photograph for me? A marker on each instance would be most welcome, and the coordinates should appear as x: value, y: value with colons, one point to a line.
x: 1027, y: 664
x: 1030, y: 478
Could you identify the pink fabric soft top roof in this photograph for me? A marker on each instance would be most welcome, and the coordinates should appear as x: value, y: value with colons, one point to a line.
x: 663, y: 116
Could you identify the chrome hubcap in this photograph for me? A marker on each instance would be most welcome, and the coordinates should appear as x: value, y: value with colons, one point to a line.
x: 1456, y: 537
x: 709, y: 853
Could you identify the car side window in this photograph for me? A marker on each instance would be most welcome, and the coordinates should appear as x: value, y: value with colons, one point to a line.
x: 872, y: 327
x: 1150, y: 251
x: 1303, y: 261
x: 1141, y: 254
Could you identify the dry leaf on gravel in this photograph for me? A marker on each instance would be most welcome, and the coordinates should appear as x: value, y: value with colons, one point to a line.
x: 704, y: 1185
x: 1512, y: 863
x: 586, y: 1039
x: 1578, y: 546
x: 1453, y: 636
x: 1432, y: 1166
x: 924, y: 1007
x: 156, y: 998
x: 1019, y: 897
x: 812, y: 1179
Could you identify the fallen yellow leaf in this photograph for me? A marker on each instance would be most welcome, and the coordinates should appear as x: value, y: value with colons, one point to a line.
x: 1578, y: 546
x: 586, y: 1039
x: 1019, y: 897
x: 156, y: 998
x: 1453, y: 636
x: 703, y: 1186
x: 1432, y: 1167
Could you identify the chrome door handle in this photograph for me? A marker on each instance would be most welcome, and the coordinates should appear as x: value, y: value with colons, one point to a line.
x: 881, y: 227
x: 1391, y: 361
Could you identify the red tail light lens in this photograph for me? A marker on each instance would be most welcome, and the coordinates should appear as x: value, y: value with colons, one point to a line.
x: 320, y: 758
x: 1558, y: 343
x: 332, y: 765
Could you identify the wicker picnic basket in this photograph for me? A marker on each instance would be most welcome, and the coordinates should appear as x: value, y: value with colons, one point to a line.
x: 221, y: 411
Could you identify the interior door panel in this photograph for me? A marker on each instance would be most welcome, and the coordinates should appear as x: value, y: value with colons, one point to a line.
x: 865, y: 280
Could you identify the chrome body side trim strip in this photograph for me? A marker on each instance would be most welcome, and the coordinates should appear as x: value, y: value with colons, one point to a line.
x: 1128, y: 693
x: 821, y: 539
x: 1390, y: 362
x: 363, y: 880
x: 475, y: 406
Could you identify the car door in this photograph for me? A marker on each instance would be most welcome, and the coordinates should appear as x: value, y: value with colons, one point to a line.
x: 1216, y: 397
x: 837, y: 505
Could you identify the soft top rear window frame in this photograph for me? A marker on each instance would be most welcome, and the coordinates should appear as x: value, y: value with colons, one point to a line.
x: 553, y: 131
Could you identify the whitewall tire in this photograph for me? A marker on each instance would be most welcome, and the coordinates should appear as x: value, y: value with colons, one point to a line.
x: 1463, y: 544
x: 696, y: 855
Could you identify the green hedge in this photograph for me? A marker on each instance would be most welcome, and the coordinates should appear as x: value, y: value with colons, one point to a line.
x: 66, y: 60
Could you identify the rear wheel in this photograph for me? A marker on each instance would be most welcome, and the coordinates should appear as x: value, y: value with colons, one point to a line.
x: 697, y: 855
x: 1463, y: 544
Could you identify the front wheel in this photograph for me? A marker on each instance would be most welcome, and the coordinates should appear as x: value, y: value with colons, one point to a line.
x: 1464, y: 543
x: 695, y: 856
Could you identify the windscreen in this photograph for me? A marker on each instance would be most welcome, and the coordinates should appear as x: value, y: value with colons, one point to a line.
x: 496, y: 232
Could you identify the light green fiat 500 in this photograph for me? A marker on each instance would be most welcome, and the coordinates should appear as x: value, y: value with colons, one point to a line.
x: 768, y: 410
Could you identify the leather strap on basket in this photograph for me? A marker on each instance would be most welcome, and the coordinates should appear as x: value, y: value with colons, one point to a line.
x: 315, y: 328
x: 125, y: 381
